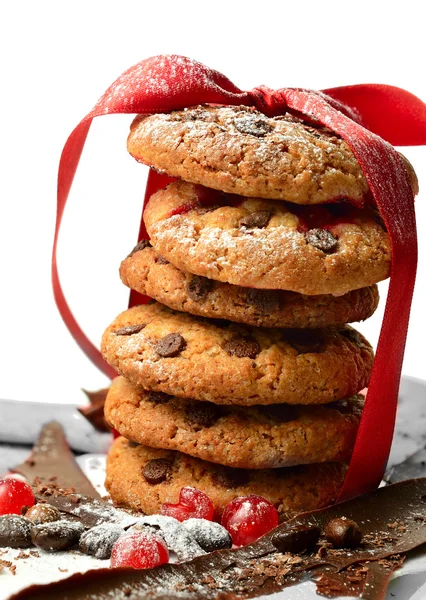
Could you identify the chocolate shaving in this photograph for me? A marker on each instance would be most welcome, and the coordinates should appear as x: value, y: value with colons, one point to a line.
x: 52, y: 457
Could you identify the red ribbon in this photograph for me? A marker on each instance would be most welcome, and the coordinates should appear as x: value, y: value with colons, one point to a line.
x: 360, y: 114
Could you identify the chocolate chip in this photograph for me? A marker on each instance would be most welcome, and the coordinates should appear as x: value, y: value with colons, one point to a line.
x: 258, y: 219
x: 202, y: 414
x: 42, y: 513
x: 229, y: 477
x: 283, y: 413
x: 56, y: 536
x: 352, y: 335
x: 158, y: 397
x: 15, y: 532
x: 253, y: 125
x: 170, y: 345
x: 161, y: 260
x: 242, y: 347
x: 156, y: 470
x: 343, y: 533
x: 130, y: 329
x: 140, y: 246
x: 304, y: 340
x: 296, y: 539
x: 198, y: 287
x: 265, y: 301
x: 99, y: 540
x: 322, y: 239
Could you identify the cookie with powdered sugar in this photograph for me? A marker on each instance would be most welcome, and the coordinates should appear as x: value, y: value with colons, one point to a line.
x: 250, y: 242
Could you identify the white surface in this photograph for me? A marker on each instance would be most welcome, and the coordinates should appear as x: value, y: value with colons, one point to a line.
x: 58, y: 58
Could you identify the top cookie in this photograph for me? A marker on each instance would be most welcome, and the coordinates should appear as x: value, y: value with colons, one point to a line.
x: 239, y: 150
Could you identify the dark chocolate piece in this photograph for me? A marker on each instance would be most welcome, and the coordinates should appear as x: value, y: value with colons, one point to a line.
x: 198, y: 287
x: 156, y: 470
x: 258, y: 568
x: 256, y: 220
x: 130, y: 329
x: 242, y: 347
x: 99, y: 540
x: 298, y: 539
x: 15, y: 532
x: 230, y: 477
x: 322, y: 239
x: 56, y: 536
x: 52, y: 460
x: 170, y: 345
x: 265, y: 301
x: 202, y: 414
x: 209, y: 535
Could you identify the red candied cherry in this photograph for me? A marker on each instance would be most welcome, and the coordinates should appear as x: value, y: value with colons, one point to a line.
x: 139, y: 551
x: 192, y: 503
x: 247, y: 518
x: 15, y: 493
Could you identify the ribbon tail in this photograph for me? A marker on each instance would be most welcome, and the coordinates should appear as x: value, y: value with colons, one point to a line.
x: 391, y: 112
x: 67, y: 167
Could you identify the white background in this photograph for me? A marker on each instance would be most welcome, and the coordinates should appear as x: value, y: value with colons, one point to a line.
x: 57, y: 58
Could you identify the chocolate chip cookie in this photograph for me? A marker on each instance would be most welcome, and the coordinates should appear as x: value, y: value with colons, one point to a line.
x: 228, y: 363
x: 145, y: 271
x: 144, y: 478
x: 241, y: 151
x: 257, y: 437
x: 250, y: 242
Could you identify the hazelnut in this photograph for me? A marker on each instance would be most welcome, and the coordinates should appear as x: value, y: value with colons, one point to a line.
x: 42, y: 513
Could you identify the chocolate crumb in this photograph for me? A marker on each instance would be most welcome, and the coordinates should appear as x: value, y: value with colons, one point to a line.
x: 130, y: 329
x: 322, y: 239
x: 242, y: 347
x: 156, y: 470
x: 170, y: 345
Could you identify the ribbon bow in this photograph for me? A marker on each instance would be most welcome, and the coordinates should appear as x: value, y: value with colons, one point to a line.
x: 363, y: 115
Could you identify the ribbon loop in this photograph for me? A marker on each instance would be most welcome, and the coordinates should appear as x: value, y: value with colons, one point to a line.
x: 166, y: 83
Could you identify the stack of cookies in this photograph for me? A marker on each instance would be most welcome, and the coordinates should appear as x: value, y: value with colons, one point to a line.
x: 242, y: 376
